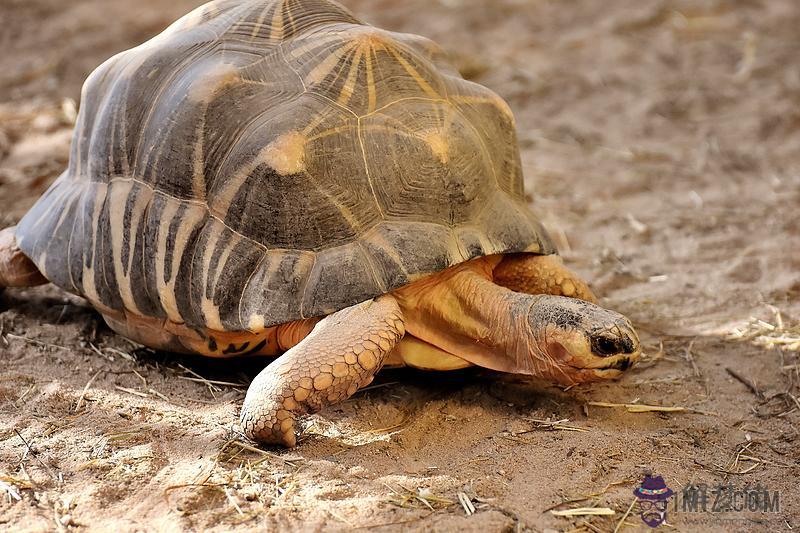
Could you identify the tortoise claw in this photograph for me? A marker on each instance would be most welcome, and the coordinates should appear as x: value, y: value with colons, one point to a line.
x: 269, y: 424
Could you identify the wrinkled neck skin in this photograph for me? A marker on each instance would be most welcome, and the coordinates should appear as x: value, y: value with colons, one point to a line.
x: 464, y: 313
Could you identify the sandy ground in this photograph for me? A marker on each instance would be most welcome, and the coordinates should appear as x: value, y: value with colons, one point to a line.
x: 661, y: 139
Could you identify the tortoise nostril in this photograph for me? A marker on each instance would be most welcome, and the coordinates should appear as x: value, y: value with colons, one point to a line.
x: 629, y: 342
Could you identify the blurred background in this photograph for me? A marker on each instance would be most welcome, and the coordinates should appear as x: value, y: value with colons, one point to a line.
x: 660, y: 142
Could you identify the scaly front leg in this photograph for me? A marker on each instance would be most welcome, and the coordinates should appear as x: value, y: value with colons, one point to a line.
x: 342, y: 353
x: 541, y: 274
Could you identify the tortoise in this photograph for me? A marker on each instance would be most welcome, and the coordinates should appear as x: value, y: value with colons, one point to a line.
x: 278, y: 178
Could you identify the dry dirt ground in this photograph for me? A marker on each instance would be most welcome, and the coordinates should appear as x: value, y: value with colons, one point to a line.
x: 661, y: 142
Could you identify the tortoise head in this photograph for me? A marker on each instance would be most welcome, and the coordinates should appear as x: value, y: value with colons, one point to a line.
x: 576, y: 341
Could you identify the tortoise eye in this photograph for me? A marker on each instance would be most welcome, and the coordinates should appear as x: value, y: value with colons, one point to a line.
x: 602, y: 345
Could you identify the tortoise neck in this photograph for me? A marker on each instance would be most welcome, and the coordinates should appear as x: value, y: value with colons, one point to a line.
x: 462, y: 311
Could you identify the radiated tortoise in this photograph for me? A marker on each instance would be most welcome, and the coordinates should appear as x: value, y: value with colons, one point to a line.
x: 275, y: 177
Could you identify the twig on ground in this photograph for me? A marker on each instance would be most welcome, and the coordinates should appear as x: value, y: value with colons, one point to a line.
x: 585, y: 497
x: 79, y: 403
x: 643, y: 408
x: 231, y: 500
x: 34, y: 454
x: 411, y: 498
x: 244, y: 446
x: 124, y: 355
x: 585, y: 511
x: 621, y: 522
x: 138, y: 375
x: 156, y: 393
x: 690, y: 358
x: 132, y: 391
x: 10, y: 490
x: 211, y: 386
x: 778, y: 335
x: 97, y: 350
x: 378, y: 386
x: 466, y: 503
x: 212, y: 381
x: 555, y: 425
x: 746, y: 382
x: 36, y: 342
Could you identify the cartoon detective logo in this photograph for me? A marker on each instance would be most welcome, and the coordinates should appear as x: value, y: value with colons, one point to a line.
x: 653, y: 496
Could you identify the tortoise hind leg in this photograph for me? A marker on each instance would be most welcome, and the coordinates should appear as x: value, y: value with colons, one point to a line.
x: 541, y: 274
x: 340, y: 355
x: 16, y: 269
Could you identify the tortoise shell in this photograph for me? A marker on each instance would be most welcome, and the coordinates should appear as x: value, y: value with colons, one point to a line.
x: 264, y: 161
